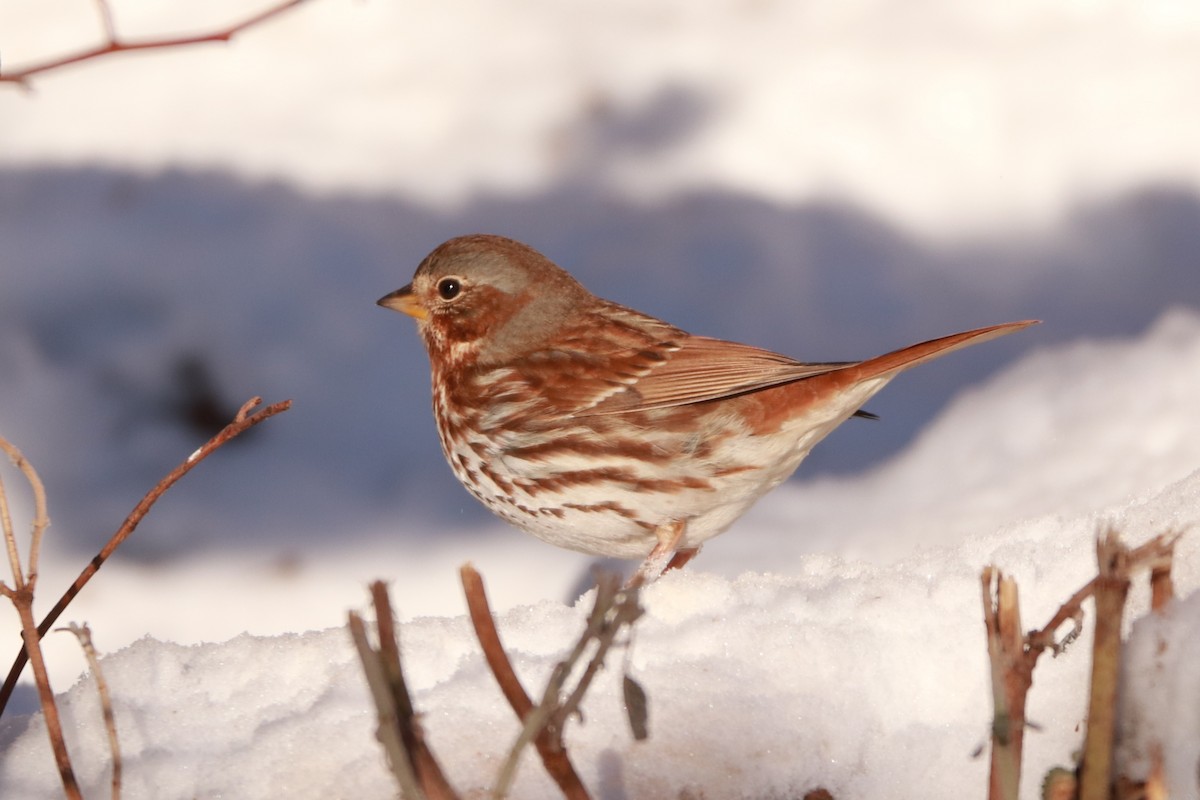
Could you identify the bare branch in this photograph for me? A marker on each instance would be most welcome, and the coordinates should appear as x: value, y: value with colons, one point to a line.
x: 106, y: 19
x: 40, y: 519
x: 489, y: 639
x: 554, y: 758
x: 10, y: 543
x: 429, y: 773
x: 387, y: 732
x: 84, y: 634
x: 112, y: 44
x: 232, y: 430
x: 21, y: 596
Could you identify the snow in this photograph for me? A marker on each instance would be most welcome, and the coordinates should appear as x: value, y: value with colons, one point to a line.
x: 827, y: 180
x: 1161, y: 672
x: 864, y: 675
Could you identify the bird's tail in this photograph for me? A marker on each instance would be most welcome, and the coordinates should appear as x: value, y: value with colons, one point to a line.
x: 888, y: 364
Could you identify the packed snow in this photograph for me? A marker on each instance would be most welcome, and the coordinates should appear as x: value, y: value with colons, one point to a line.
x: 185, y: 229
x: 861, y: 668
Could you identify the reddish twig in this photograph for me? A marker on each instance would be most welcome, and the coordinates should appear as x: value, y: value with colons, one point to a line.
x: 241, y: 423
x: 1013, y: 657
x: 428, y: 771
x: 387, y: 732
x: 20, y: 594
x: 113, y: 44
x: 399, y: 731
x: 41, y: 519
x: 489, y: 640
x: 549, y: 746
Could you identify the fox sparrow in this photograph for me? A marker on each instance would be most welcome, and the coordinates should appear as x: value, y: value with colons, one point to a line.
x: 600, y: 429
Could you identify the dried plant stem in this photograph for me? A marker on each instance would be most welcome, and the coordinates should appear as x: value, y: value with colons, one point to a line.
x: 1112, y: 587
x: 244, y: 420
x: 20, y: 594
x: 428, y: 772
x: 1014, y: 656
x: 113, y: 44
x: 29, y: 635
x: 1162, y: 587
x: 554, y: 756
x: 1012, y: 675
x: 40, y: 518
x: 387, y: 734
x: 84, y: 634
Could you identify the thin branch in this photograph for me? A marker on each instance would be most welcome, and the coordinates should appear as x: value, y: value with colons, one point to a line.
x: 112, y: 44
x: 243, y: 422
x: 1071, y: 610
x: 41, y: 677
x: 106, y: 19
x: 429, y: 773
x: 554, y: 758
x: 84, y: 634
x: 1155, y: 554
x: 489, y: 640
x: 387, y: 731
x: 40, y: 519
x: 22, y: 599
x: 10, y: 543
x: 614, y: 610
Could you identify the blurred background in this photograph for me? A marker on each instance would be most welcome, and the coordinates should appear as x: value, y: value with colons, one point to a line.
x: 182, y: 229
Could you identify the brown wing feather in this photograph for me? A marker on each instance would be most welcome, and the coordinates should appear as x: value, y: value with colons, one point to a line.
x: 617, y: 360
x: 698, y: 368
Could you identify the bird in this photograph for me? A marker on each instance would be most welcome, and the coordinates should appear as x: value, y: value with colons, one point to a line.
x: 607, y: 431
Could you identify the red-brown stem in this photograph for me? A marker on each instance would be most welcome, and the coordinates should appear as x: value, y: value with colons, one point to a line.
x: 113, y: 45
x: 23, y: 600
x: 489, y: 640
x: 425, y: 767
x: 554, y: 756
x: 241, y: 423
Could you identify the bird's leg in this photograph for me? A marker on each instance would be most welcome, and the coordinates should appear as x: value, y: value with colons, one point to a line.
x: 681, y: 558
x: 662, y: 556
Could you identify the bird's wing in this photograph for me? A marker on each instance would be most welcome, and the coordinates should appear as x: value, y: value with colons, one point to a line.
x: 618, y: 360
x: 695, y: 369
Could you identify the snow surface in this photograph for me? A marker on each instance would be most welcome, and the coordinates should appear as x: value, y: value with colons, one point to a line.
x: 860, y: 667
x: 827, y: 180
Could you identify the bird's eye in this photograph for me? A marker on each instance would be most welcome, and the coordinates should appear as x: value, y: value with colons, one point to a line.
x: 449, y: 288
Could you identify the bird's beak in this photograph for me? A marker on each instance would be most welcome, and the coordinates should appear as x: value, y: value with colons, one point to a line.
x: 405, y: 301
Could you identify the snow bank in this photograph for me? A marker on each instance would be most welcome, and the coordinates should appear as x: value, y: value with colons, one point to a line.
x: 864, y: 672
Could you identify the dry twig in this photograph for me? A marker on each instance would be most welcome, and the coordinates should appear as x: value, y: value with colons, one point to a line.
x: 1012, y: 675
x: 1112, y: 587
x: 417, y: 771
x: 20, y: 594
x: 543, y: 725
x: 246, y: 418
x: 84, y: 634
x: 114, y: 44
x: 1013, y: 659
x: 553, y: 756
